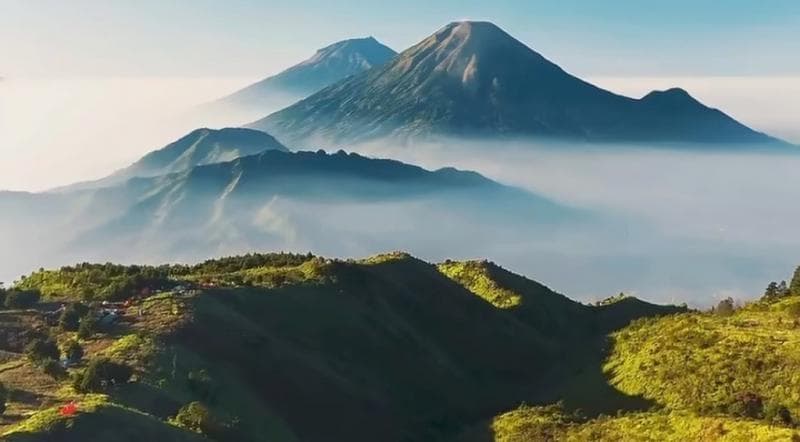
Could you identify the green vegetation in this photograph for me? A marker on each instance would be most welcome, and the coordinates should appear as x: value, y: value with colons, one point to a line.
x: 87, y: 326
x: 41, y: 350
x: 553, y: 423
x: 714, y: 363
x: 53, y: 368
x: 95, y: 281
x: 98, y: 420
x: 20, y: 299
x: 73, y: 351
x: 90, y: 282
x: 70, y: 318
x: 294, y: 347
x: 3, y: 398
x: 198, y: 418
x: 794, y: 286
x: 102, y: 375
x: 472, y: 274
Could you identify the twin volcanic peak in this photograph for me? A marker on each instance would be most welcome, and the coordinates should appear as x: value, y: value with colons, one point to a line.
x: 474, y: 79
x: 328, y: 65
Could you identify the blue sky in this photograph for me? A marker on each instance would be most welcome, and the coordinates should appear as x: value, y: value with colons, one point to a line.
x: 251, y: 38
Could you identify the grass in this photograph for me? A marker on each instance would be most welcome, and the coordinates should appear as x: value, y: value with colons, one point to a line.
x: 703, y: 361
x: 98, y: 420
x: 296, y: 347
x: 474, y: 276
x: 549, y: 423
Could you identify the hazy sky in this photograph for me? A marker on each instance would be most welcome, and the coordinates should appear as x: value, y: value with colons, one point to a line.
x: 243, y: 37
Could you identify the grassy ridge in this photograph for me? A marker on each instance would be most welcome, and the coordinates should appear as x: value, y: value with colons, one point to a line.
x: 99, y: 420
x: 294, y: 347
x: 707, y: 362
x: 550, y: 424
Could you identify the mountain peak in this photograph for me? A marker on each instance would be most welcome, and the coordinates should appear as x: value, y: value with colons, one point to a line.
x: 471, y: 78
x: 673, y: 98
x: 328, y: 65
x: 477, y: 56
x: 473, y: 26
x: 204, y: 146
x: 474, y: 37
x: 352, y: 54
x: 672, y: 93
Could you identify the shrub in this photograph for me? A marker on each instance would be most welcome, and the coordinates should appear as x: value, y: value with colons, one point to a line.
x: 53, y: 368
x: 778, y: 414
x: 73, y: 351
x: 749, y: 405
x: 87, y: 326
x: 40, y: 350
x: 793, y: 309
x: 3, y: 398
x: 101, y: 375
x: 70, y: 318
x: 725, y: 307
x: 20, y: 299
x: 196, y: 417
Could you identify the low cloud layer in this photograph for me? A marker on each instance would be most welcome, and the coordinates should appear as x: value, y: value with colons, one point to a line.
x: 690, y: 225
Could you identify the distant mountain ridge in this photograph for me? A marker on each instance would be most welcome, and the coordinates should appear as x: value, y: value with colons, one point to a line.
x: 186, y: 202
x: 473, y: 79
x: 327, y: 66
x: 197, y: 148
x: 204, y: 146
x: 219, y: 204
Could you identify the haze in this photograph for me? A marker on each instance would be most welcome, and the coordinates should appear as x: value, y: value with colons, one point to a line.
x: 90, y: 87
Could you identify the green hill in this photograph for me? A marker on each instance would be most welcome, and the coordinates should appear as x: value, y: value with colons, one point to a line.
x: 713, y: 363
x: 549, y: 424
x: 295, y: 347
x: 726, y: 374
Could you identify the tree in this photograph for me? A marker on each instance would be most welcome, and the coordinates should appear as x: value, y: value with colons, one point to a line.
x: 772, y: 291
x: 775, y: 291
x: 794, y: 286
x: 194, y: 416
x: 783, y: 290
x: 40, y: 350
x: 70, y: 318
x: 21, y: 299
x: 53, y: 368
x: 73, y: 351
x: 102, y: 375
x: 87, y: 326
x: 3, y: 398
x: 726, y: 307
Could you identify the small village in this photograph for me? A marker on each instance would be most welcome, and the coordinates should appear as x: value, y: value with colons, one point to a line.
x: 81, y: 330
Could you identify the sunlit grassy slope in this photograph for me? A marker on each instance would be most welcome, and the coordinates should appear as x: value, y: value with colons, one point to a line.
x: 99, y: 420
x: 549, y: 424
x: 296, y: 347
x: 724, y: 376
x: 706, y: 362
